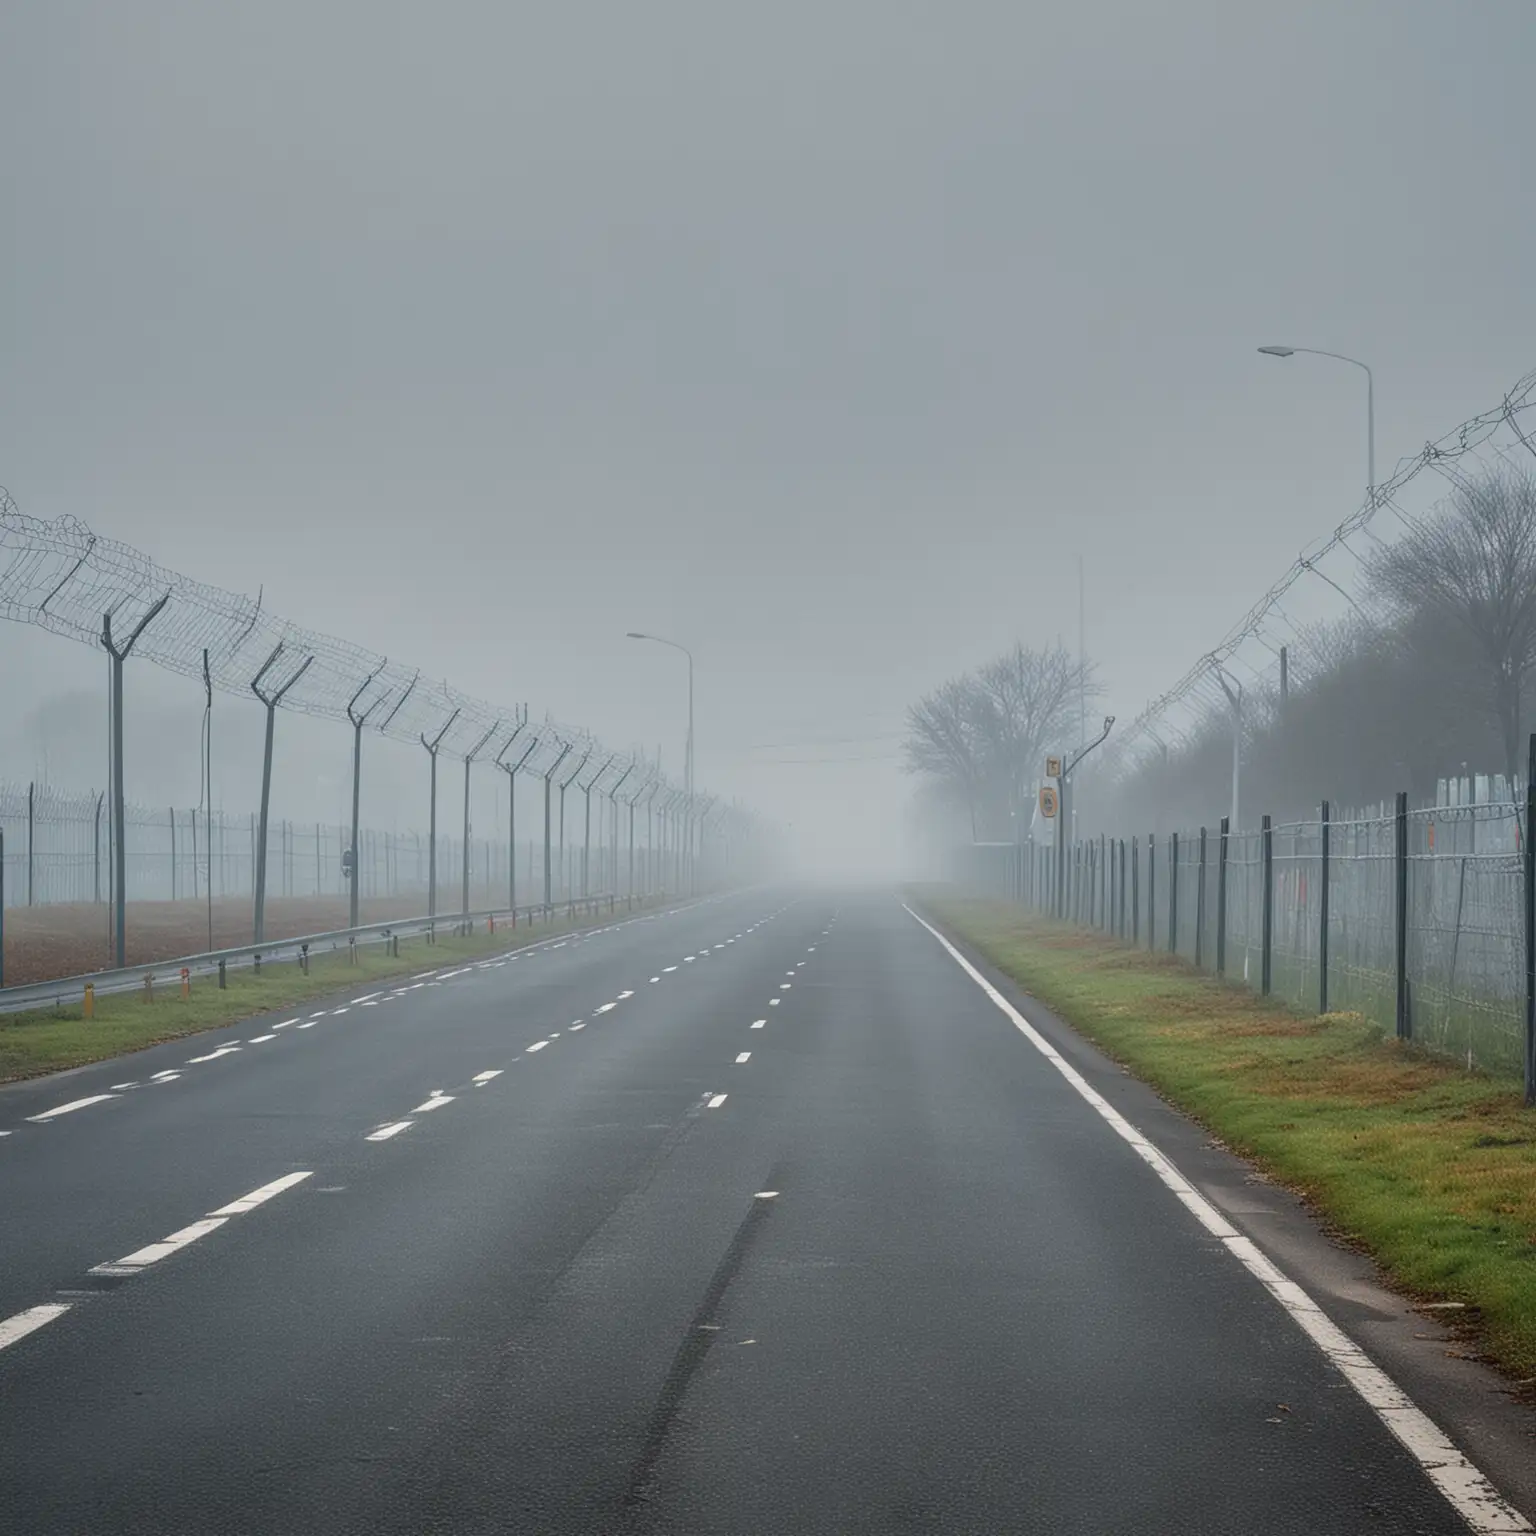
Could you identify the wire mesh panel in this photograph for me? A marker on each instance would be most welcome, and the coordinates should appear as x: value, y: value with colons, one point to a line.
x: 1296, y: 913
x: 1362, y: 924
x: 1466, y: 935
x: 1245, y: 906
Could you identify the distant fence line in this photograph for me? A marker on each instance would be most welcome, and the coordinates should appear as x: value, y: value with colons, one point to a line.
x: 58, y: 849
x: 1416, y: 919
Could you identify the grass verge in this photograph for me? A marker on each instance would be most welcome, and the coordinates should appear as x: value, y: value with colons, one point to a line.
x: 1429, y: 1168
x: 51, y: 1039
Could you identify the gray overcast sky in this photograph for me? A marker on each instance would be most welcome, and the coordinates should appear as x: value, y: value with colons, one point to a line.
x: 821, y: 337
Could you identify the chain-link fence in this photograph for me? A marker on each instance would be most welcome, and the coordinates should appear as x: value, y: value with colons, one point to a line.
x: 58, y: 850
x: 1415, y: 919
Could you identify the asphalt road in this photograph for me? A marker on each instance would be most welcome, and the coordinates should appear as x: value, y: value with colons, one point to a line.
x: 768, y: 1221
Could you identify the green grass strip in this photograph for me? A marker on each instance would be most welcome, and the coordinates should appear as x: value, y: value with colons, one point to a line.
x: 51, y: 1039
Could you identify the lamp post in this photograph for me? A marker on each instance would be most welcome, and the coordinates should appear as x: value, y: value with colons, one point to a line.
x: 636, y: 634
x: 1236, y: 701
x: 1370, y: 405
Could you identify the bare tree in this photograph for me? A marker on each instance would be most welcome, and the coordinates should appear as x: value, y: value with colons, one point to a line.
x: 1027, y: 699
x: 985, y: 735
x: 1469, y: 569
x: 943, y: 744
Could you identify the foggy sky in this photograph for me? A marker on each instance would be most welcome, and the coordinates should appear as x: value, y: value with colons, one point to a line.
x: 819, y: 337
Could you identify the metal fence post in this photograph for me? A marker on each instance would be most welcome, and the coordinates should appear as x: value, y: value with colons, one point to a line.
x: 1123, y: 863
x: 1135, y: 891
x: 173, y: 852
x: 1267, y: 831
x: 96, y: 849
x: 1530, y: 926
x: 31, y: 834
x: 270, y: 701
x: 1200, y: 906
x: 1173, y: 893
x: 1322, y: 924
x: 1400, y: 862
x: 1221, y: 895
x: 2, y: 909
x: 1151, y: 890
x: 119, y: 655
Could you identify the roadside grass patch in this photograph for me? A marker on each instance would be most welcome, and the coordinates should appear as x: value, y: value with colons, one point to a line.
x: 50, y: 1039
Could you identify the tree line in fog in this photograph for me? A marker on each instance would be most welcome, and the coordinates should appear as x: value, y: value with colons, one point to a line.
x: 1431, y: 673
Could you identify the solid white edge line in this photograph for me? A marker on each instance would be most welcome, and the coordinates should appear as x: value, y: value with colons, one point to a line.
x: 22, y: 1323
x: 261, y: 1196
x: 1468, y: 1492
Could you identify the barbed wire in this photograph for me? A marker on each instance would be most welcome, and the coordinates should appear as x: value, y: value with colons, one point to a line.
x: 1440, y: 455
x: 64, y: 578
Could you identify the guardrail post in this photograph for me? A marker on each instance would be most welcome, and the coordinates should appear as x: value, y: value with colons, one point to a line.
x: 1322, y: 925
x: 149, y: 988
x: 186, y: 983
x: 1221, y: 896
x: 223, y: 977
x: 1200, y: 906
x: 256, y: 964
x: 1267, y: 832
x: 1400, y: 863
x: 1173, y: 893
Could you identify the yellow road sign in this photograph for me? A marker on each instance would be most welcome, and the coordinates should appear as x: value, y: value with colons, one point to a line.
x: 1047, y: 801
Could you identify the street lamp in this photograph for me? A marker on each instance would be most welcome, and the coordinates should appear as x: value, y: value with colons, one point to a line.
x: 1236, y: 701
x: 636, y: 634
x: 1370, y: 405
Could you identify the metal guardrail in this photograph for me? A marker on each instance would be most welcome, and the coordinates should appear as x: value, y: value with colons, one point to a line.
x: 72, y: 989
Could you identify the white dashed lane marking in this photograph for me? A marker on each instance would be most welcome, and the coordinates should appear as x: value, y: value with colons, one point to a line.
x: 384, y: 1132
x: 23, y: 1323
x: 481, y: 1079
x: 72, y: 1106
x: 142, y: 1258
x: 760, y: 1023
x: 537, y: 1046
x: 717, y: 1100
x: 744, y: 1056
x: 437, y: 1100
x: 260, y: 1196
